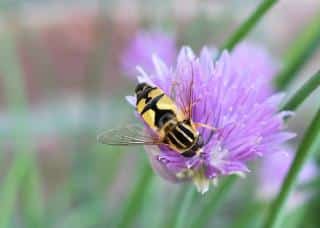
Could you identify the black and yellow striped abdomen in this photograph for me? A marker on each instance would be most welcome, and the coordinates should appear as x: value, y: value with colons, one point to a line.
x: 163, y: 116
x: 184, y: 139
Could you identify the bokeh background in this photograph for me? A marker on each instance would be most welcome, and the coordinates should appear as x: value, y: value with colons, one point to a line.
x: 62, y: 82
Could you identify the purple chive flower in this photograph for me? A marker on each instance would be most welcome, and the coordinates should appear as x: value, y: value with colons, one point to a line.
x: 228, y: 97
x: 255, y: 61
x: 274, y: 169
x: 143, y: 46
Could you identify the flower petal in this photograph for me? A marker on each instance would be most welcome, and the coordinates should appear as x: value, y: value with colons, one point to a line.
x: 132, y: 100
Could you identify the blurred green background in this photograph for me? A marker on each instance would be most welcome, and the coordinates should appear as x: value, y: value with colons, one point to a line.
x: 61, y: 84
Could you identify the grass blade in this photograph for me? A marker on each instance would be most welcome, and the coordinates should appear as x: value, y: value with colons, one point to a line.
x: 249, y: 24
x: 32, y: 197
x: 309, y: 144
x: 24, y: 157
x: 299, y: 52
x: 89, y: 214
x: 302, y: 93
x: 9, y: 191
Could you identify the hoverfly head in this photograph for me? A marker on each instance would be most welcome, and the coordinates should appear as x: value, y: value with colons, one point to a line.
x: 142, y: 90
x: 141, y: 87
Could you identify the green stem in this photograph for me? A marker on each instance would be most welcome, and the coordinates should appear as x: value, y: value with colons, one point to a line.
x: 299, y: 52
x: 171, y: 213
x: 249, y: 24
x: 184, y: 208
x: 218, y: 195
x: 135, y: 200
x: 302, y: 93
x: 309, y: 144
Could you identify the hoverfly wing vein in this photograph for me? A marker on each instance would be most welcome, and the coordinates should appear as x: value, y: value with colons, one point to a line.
x: 129, y: 135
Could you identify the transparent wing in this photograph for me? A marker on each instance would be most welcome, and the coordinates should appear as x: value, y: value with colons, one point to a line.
x: 128, y: 135
x: 183, y: 92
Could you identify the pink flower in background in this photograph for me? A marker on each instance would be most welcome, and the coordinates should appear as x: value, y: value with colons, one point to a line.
x: 145, y: 44
x: 273, y: 171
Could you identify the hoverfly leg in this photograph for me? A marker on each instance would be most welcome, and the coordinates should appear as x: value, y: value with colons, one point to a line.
x: 198, y: 125
x: 211, y: 128
x: 172, y: 89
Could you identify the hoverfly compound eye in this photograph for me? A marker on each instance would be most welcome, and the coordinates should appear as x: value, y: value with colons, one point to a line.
x: 140, y: 87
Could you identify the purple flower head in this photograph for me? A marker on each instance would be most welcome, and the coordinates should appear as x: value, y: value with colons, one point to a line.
x: 274, y: 169
x: 226, y: 97
x: 255, y: 61
x: 143, y: 46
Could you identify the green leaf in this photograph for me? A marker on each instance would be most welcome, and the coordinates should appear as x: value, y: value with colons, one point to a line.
x: 252, y: 215
x: 299, y: 53
x: 309, y: 144
x: 295, y: 217
x: 9, y: 190
x: 89, y: 214
x: 302, y: 93
x: 24, y: 160
x: 249, y: 24
x: 32, y: 198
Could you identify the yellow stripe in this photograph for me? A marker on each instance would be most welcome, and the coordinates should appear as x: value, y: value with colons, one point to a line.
x: 165, y: 103
x: 149, y: 117
x: 154, y: 93
x: 141, y: 105
x: 178, y: 141
x: 191, y: 129
x: 184, y: 134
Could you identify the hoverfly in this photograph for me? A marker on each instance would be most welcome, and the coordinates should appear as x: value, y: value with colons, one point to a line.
x: 170, y: 125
